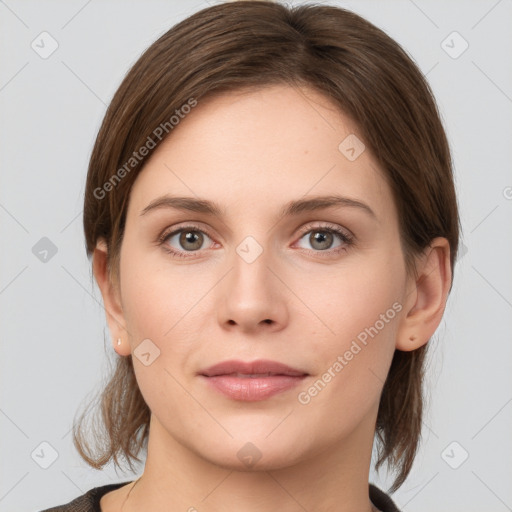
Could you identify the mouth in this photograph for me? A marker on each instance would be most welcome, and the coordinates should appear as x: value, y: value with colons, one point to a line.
x: 252, y: 381
x: 253, y: 375
x: 259, y: 368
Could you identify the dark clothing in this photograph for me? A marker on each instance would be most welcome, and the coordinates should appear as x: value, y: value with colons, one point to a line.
x: 90, y: 501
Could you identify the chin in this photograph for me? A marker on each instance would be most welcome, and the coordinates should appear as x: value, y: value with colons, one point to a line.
x: 252, y: 452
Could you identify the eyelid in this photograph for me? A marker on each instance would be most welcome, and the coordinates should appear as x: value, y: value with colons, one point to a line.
x: 192, y: 226
x: 302, y: 231
x: 325, y: 225
x: 347, y: 238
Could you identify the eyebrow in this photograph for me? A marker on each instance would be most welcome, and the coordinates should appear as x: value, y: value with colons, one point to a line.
x: 290, y: 209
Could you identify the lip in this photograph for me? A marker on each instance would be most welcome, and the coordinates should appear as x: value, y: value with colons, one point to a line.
x: 251, y: 368
x: 252, y: 381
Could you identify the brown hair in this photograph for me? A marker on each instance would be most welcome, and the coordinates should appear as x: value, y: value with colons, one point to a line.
x: 237, y: 45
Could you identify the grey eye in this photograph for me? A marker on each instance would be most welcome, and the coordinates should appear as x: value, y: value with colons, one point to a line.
x: 320, y: 239
x: 188, y: 240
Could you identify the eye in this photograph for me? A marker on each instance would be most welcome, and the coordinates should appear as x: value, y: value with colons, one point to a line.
x: 186, y: 239
x: 322, y: 238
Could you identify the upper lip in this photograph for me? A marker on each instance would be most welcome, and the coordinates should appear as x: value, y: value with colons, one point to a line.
x: 261, y: 366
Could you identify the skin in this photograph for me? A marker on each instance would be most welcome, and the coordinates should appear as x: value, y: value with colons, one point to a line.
x: 252, y: 153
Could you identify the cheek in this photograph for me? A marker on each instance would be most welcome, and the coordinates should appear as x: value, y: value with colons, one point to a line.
x: 346, y: 301
x: 354, y: 343
x: 157, y: 304
x: 156, y: 296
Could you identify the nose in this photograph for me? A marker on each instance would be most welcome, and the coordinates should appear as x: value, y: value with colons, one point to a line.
x: 253, y: 296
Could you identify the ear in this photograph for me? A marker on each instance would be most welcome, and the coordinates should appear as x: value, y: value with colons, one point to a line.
x: 111, y: 299
x: 426, y: 297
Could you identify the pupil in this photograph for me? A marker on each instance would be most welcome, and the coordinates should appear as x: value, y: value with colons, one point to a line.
x: 190, y: 237
x: 323, y: 238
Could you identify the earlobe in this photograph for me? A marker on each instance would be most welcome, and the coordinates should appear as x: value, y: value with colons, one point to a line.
x: 426, y: 303
x: 111, y: 300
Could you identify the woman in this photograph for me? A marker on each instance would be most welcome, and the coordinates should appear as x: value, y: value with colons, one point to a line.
x: 273, y: 225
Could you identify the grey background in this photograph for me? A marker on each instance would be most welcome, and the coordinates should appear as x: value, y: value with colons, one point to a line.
x: 53, y: 353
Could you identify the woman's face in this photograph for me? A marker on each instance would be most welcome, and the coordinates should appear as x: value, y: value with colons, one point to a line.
x: 263, y: 277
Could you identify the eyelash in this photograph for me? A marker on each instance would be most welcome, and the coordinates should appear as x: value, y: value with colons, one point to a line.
x: 345, y: 237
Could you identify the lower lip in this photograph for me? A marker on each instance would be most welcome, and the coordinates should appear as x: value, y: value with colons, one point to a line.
x: 251, y: 389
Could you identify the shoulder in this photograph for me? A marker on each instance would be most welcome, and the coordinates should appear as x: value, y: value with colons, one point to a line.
x: 381, y: 500
x: 88, y: 502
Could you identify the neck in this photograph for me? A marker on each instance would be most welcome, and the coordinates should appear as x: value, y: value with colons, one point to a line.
x: 177, y: 478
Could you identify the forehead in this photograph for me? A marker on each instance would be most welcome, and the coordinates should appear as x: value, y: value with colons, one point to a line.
x: 256, y: 149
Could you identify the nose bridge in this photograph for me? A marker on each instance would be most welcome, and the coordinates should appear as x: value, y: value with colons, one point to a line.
x: 250, y: 277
